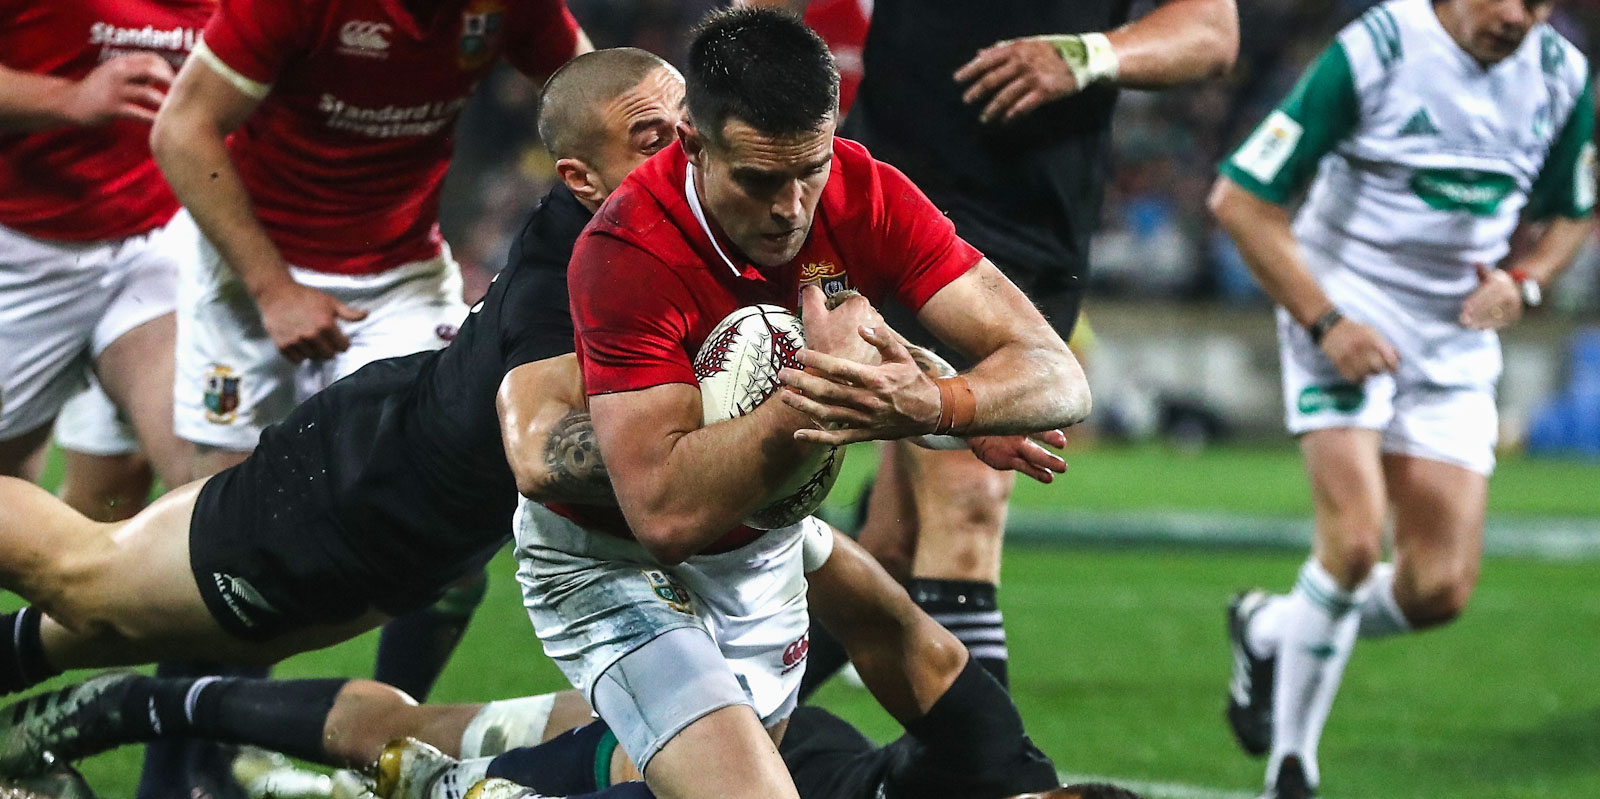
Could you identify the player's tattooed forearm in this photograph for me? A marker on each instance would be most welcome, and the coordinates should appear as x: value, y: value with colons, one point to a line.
x: 572, y: 458
x: 930, y: 364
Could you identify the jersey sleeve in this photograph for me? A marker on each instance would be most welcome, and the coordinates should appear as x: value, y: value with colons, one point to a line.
x: 1565, y: 186
x: 542, y: 38
x: 249, y: 41
x: 1280, y: 158
x: 630, y: 331
x: 910, y: 234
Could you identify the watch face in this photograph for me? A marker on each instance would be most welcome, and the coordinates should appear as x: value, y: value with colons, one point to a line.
x: 1531, y: 294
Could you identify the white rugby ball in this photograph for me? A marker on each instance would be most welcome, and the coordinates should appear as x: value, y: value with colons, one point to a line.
x: 737, y: 368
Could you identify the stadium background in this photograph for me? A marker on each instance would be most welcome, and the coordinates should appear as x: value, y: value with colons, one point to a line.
x: 1183, y: 487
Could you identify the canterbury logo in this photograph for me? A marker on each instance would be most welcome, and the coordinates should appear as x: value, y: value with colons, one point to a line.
x: 370, y: 37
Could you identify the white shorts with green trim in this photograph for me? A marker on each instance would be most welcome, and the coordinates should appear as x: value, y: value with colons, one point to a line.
x: 595, y: 598
x: 1439, y: 404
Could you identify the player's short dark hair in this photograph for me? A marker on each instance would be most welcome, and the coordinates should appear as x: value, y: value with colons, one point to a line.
x: 569, y: 106
x: 1099, y: 790
x: 763, y: 67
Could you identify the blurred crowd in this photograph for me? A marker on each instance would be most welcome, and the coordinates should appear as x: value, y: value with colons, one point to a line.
x: 1156, y: 238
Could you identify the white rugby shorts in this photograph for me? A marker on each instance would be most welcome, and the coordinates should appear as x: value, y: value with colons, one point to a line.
x: 594, y: 598
x: 61, y: 305
x: 231, y: 381
x: 1439, y: 404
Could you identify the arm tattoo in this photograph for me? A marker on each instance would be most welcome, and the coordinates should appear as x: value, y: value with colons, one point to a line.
x: 572, y: 456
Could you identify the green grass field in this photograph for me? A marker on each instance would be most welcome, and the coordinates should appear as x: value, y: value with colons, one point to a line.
x: 1119, y: 662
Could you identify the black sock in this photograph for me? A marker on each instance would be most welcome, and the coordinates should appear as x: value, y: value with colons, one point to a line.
x: 176, y: 767
x: 22, y: 661
x: 285, y: 716
x: 413, y: 649
x: 968, y: 609
x: 823, y: 660
x: 574, y: 762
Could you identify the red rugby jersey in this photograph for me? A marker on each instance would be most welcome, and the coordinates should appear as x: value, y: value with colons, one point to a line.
x: 345, y: 156
x: 648, y: 284
x: 88, y: 184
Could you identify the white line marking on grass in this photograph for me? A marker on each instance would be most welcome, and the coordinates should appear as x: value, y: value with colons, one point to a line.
x: 1159, y: 790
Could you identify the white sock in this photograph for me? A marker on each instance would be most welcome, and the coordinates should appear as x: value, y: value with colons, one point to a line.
x: 1380, y: 613
x: 1265, y: 629
x: 456, y: 779
x: 1318, y: 631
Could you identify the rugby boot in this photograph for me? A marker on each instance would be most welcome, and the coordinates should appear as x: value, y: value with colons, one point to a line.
x: 496, y: 788
x: 58, y: 781
x: 407, y: 769
x: 1250, y: 689
x: 347, y: 784
x: 1291, y: 782
x: 64, y: 724
x: 269, y: 775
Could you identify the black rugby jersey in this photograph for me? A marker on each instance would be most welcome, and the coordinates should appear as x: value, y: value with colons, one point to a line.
x: 395, y: 477
x: 1027, y: 194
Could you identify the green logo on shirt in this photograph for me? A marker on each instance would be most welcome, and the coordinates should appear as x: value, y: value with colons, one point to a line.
x: 1340, y: 397
x: 1420, y: 124
x: 1472, y: 190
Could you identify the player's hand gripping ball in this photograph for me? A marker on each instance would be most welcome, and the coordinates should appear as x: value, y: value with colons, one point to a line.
x: 737, y: 368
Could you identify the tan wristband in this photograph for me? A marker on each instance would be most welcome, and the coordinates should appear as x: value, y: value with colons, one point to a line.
x: 957, y: 406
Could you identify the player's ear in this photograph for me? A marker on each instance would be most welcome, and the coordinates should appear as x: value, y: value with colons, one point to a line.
x: 582, y: 180
x: 693, y: 145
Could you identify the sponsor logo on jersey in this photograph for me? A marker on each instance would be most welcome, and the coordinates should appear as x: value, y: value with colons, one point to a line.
x: 114, y: 41
x: 365, y: 38
x: 1263, y: 155
x: 1338, y: 397
x: 480, y: 34
x: 825, y: 275
x: 1420, y: 124
x: 670, y: 590
x: 221, y: 395
x: 391, y: 121
x: 794, y: 655
x: 1474, y: 191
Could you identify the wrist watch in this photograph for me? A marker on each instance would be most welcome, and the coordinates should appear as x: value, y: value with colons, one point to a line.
x: 1529, y: 288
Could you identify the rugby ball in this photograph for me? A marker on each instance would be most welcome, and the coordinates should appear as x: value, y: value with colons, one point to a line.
x: 737, y: 368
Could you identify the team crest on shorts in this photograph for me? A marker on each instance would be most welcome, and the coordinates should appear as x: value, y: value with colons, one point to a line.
x: 825, y: 275
x: 670, y: 590
x: 222, y: 395
x: 480, y: 33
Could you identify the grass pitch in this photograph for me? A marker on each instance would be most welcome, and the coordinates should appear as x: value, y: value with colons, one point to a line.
x: 1119, y: 660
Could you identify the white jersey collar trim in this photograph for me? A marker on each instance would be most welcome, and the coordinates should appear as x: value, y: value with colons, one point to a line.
x: 700, y: 216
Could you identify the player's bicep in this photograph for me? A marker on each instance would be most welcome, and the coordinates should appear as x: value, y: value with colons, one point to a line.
x: 547, y: 434
x: 636, y: 432
x: 982, y: 311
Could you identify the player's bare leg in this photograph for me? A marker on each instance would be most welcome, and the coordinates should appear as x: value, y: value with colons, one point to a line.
x: 889, y: 530
x: 1438, y: 537
x: 23, y: 456
x: 106, y: 488
x: 961, y: 517
x: 725, y: 754
x: 136, y: 371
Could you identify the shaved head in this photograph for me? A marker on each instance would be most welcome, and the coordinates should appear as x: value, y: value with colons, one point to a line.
x: 571, y: 120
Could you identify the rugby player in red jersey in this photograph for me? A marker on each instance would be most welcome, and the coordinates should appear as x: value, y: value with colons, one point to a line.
x: 759, y: 199
x: 84, y: 274
x: 308, y: 141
